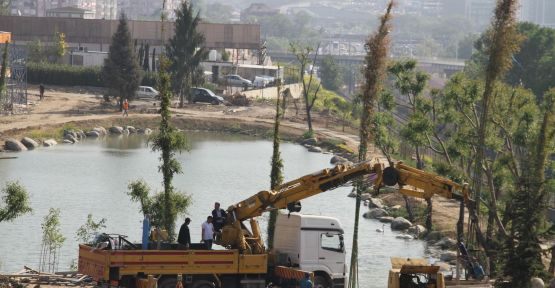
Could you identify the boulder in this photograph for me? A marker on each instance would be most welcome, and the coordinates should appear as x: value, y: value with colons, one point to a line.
x: 443, y: 266
x: 315, y: 149
x: 337, y: 160
x: 375, y: 213
x: 49, y: 142
x: 81, y: 135
x: 395, y: 207
x: 29, y: 143
x: 71, y: 133
x: 147, y: 131
x: 418, y: 230
x: 310, y: 141
x: 131, y: 129
x: 404, y: 236
x: 536, y: 282
x: 125, y: 132
x: 93, y: 134
x: 101, y: 130
x: 386, y: 219
x: 366, y: 197
x: 67, y: 141
x: 400, y: 223
x: 116, y: 130
x: 14, y: 145
x: 447, y: 243
x: 71, y: 138
x: 433, y: 236
x: 375, y: 203
x: 448, y: 256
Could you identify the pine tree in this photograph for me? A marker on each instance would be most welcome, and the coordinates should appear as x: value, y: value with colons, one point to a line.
x: 185, y: 51
x: 276, y: 174
x: 146, y: 61
x: 376, y: 59
x: 3, y: 72
x: 153, y: 66
x: 121, y: 70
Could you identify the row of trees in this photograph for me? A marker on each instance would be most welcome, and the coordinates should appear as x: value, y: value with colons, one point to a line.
x: 184, y: 51
x: 495, y: 120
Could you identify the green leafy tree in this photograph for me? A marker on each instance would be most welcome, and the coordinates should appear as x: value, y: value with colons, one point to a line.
x: 376, y: 66
x: 155, y: 205
x: 15, y: 202
x: 330, y: 73
x: 185, y: 51
x: 3, y: 72
x: 384, y: 126
x: 60, y: 47
x: 52, y: 241
x: 36, y: 52
x: 411, y: 85
x: 121, y: 71
x: 169, y: 141
x: 87, y: 231
x: 276, y: 174
x: 303, y: 57
x: 534, y: 64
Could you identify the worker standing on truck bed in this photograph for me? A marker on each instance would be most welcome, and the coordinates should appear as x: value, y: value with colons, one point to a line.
x: 208, y: 233
x: 219, y: 216
x: 184, y: 238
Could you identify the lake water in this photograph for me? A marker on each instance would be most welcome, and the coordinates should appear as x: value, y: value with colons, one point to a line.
x: 92, y: 177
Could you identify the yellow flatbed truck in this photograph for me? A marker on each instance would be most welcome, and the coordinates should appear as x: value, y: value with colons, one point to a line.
x: 304, y: 243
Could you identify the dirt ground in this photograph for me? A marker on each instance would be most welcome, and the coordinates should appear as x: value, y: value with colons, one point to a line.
x: 79, y: 105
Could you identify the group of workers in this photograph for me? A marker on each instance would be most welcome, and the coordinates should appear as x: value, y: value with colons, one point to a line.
x: 210, y: 228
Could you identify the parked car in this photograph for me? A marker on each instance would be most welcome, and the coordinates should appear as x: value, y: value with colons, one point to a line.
x: 206, y: 96
x: 236, y: 80
x: 262, y: 81
x: 147, y: 92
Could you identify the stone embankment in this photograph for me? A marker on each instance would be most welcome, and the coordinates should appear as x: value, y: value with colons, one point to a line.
x: 71, y: 136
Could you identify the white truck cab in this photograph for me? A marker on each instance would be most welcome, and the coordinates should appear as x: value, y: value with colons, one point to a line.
x: 312, y: 243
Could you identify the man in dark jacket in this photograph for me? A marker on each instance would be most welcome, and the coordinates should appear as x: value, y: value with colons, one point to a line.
x: 184, y: 238
x: 219, y: 216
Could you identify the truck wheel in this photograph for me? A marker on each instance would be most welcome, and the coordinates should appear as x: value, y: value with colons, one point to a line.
x: 321, y: 282
x: 203, y: 284
x: 170, y: 282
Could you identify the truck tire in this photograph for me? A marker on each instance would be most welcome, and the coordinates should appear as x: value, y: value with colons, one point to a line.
x: 321, y: 282
x: 203, y: 284
x: 169, y: 282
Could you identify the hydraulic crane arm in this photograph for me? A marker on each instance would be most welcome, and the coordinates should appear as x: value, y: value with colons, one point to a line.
x: 421, y: 184
x: 301, y: 188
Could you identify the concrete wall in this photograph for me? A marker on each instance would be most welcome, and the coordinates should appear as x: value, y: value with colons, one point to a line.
x: 99, y: 31
x: 271, y: 92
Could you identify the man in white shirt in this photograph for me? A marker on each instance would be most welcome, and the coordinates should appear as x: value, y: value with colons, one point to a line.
x: 208, y: 233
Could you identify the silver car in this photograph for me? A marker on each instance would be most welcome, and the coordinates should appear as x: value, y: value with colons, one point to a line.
x: 147, y: 92
x: 236, y: 80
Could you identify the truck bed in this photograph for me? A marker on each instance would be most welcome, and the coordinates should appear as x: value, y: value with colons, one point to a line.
x: 105, y: 265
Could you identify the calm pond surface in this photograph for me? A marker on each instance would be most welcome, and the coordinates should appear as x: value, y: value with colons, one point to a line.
x: 92, y: 177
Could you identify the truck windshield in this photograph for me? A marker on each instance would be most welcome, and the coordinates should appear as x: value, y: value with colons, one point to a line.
x: 331, y: 241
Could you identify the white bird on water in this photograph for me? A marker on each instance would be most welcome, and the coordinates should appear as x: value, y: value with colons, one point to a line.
x: 381, y: 230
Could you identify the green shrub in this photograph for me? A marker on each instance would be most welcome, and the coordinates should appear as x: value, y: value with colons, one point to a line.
x: 67, y: 75
x: 63, y: 75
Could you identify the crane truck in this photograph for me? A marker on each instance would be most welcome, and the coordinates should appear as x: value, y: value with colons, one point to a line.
x: 302, y: 244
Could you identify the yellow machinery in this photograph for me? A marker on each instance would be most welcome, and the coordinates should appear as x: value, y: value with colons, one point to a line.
x: 246, y: 259
x: 414, y: 273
